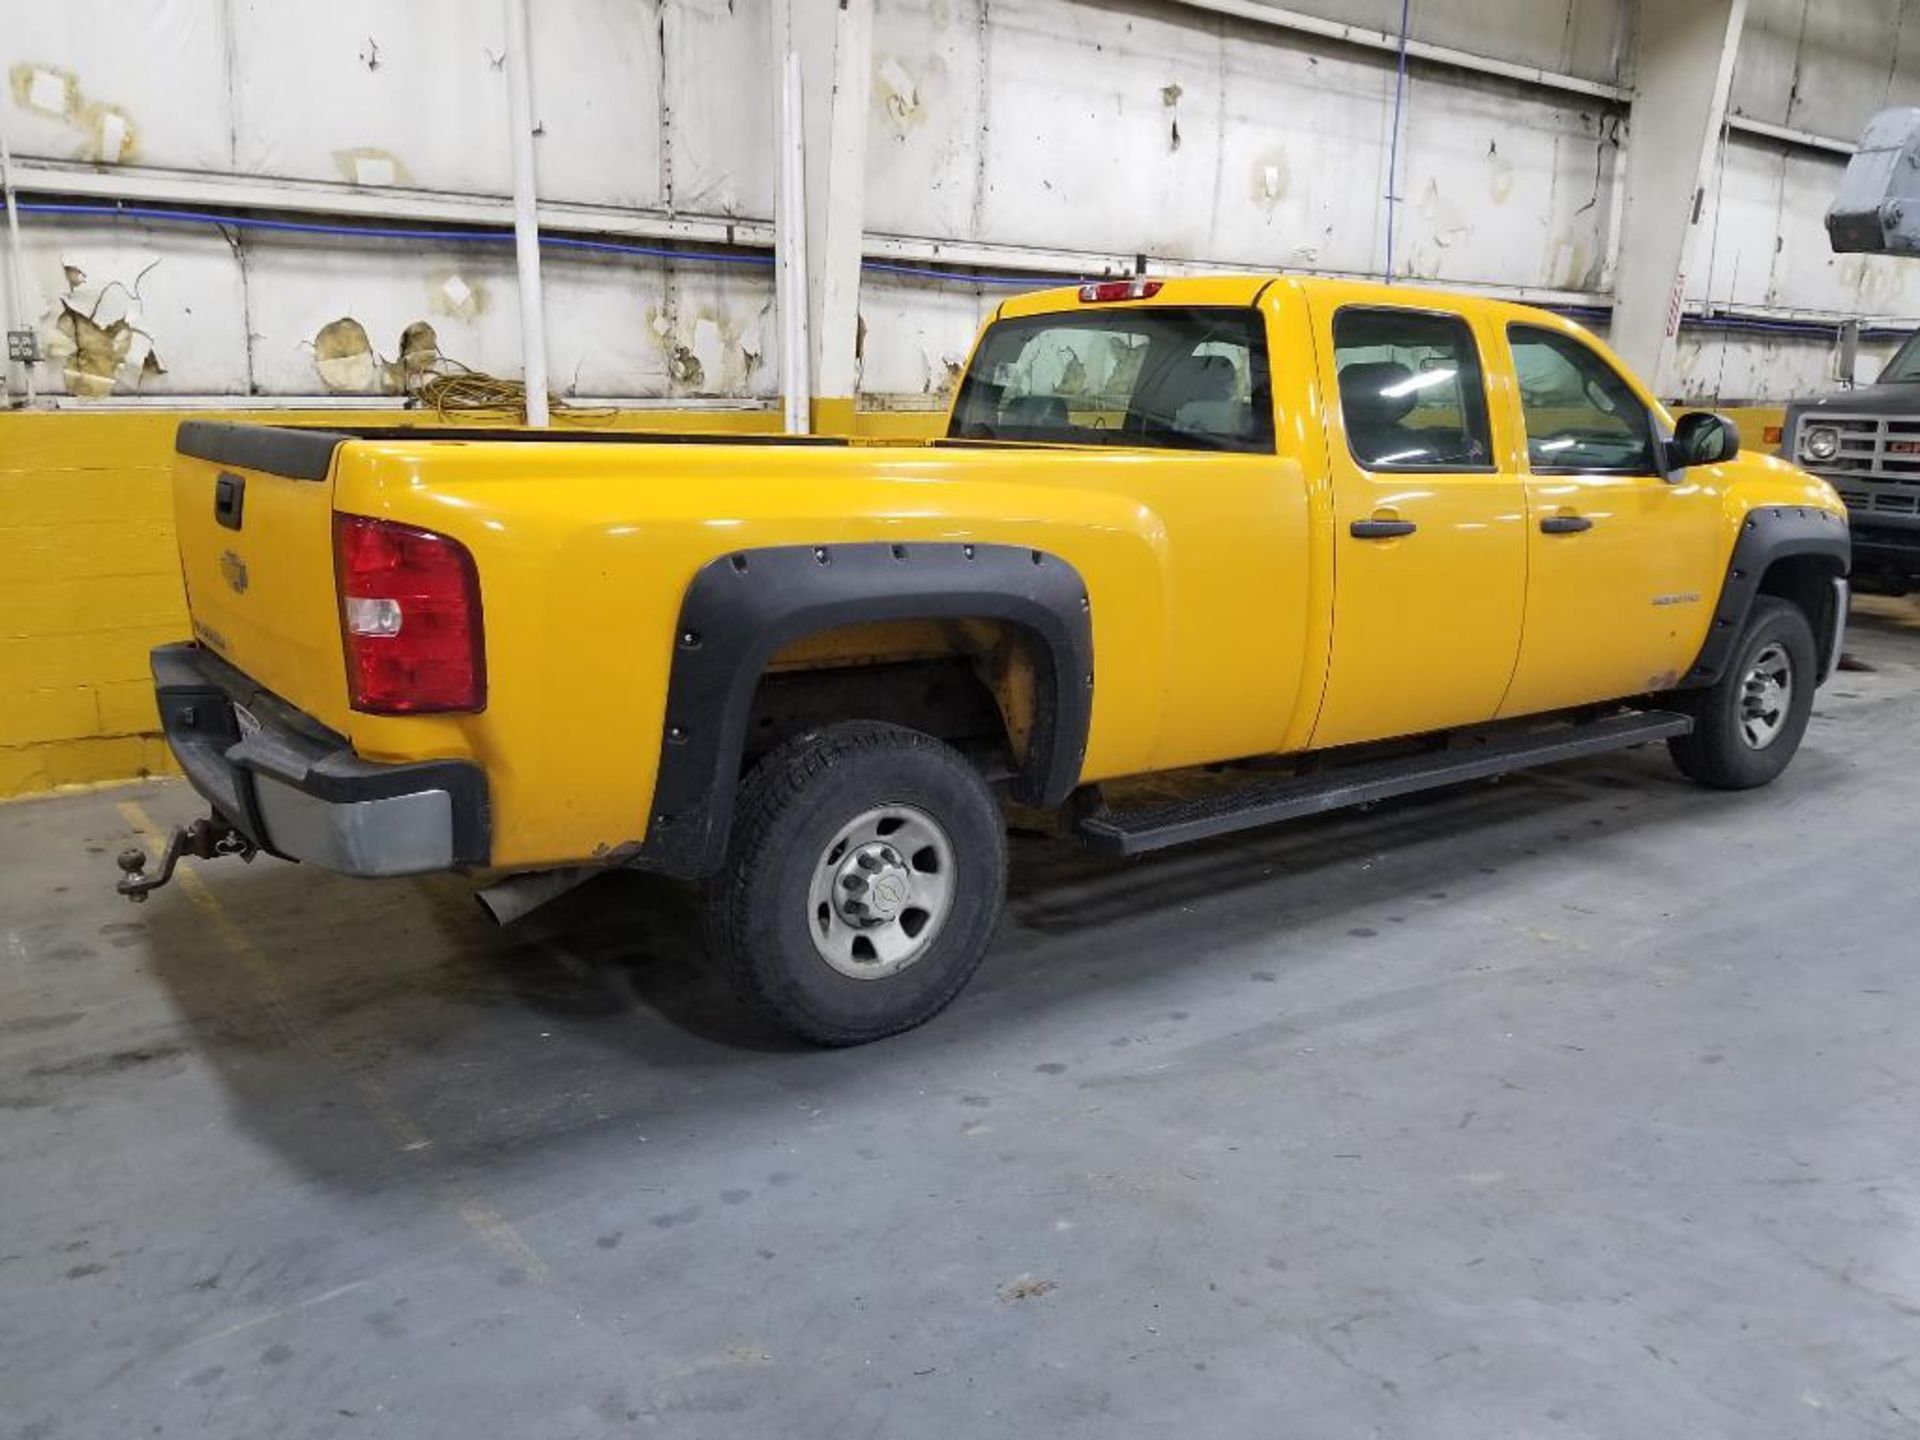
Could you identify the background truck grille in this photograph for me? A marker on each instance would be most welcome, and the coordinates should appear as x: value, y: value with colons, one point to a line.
x: 1880, y: 502
x: 1872, y: 447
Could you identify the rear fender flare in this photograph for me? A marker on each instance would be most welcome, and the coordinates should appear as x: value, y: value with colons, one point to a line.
x: 741, y: 608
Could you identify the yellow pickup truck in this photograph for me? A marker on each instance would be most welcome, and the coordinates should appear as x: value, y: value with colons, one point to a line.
x: 1334, y: 541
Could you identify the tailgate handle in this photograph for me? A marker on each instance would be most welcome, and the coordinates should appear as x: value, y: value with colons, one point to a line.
x: 229, y: 498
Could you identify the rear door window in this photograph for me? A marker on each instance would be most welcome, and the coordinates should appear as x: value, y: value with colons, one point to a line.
x: 1411, y: 392
x: 1161, y: 377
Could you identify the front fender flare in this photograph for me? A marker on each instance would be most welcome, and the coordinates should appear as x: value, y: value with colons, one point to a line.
x: 741, y: 608
x: 1767, y: 534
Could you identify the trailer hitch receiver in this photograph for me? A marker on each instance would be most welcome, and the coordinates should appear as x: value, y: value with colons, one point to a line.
x: 205, y: 839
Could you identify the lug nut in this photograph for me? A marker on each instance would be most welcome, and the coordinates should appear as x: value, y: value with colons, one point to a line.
x: 854, y: 882
x: 867, y: 862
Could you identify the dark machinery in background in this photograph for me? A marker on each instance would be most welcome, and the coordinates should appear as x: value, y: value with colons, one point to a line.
x: 1865, y: 440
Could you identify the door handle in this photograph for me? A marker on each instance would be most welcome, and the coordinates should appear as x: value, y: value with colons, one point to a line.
x: 1565, y: 524
x: 1381, y: 529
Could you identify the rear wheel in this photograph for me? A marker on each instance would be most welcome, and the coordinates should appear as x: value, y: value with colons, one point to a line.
x: 1747, y: 725
x: 865, y: 875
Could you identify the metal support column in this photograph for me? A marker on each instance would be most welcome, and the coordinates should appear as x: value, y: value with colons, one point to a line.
x: 825, y: 50
x: 1683, y: 68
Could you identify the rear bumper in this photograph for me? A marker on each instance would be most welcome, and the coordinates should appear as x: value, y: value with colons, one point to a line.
x: 297, y: 790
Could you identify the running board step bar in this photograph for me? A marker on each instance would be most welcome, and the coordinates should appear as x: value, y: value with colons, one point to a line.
x: 1155, y: 827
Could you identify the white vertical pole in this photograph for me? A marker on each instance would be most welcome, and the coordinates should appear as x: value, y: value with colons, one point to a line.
x: 19, y: 316
x: 526, y: 222
x: 790, y: 247
x: 837, y: 365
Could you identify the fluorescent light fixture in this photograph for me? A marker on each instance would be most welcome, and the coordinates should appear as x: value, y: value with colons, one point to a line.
x: 1397, y: 456
x: 1548, y: 447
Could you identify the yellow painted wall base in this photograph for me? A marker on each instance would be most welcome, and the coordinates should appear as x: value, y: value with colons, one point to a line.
x: 89, y: 581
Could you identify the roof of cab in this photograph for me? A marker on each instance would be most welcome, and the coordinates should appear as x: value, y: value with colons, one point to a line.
x: 1246, y: 288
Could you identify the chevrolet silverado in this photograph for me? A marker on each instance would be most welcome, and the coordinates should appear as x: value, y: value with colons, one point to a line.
x: 1326, y: 541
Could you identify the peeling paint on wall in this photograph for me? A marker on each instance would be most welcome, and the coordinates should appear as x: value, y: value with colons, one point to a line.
x: 1573, y: 268
x: 45, y: 89
x: 707, y: 350
x: 343, y: 354
x: 94, y: 334
x: 898, y: 95
x: 451, y: 294
x: 1500, y: 174
x: 54, y: 93
x: 419, y: 352
x: 347, y: 363
x: 1271, y: 179
x: 371, y: 166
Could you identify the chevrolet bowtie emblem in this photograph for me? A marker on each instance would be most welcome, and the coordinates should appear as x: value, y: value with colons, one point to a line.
x: 235, y: 571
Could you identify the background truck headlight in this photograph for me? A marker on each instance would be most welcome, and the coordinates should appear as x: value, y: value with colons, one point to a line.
x: 1822, y: 442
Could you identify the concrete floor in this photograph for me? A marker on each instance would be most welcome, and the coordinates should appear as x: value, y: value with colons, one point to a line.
x: 1585, y: 1104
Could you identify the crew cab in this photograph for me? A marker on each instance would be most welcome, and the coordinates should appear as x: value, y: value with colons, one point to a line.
x: 1313, y: 542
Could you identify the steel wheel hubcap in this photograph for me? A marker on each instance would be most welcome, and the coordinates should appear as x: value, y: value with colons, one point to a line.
x: 1765, y: 697
x: 880, y: 892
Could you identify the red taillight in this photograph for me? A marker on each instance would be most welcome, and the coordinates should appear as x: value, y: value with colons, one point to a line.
x: 1104, y: 290
x: 409, y: 617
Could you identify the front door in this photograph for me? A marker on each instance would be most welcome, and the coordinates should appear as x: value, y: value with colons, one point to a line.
x: 1430, y: 548
x: 1625, y: 567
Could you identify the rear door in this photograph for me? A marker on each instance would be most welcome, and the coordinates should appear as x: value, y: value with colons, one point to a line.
x: 253, y: 513
x: 1429, y: 537
x: 1624, y: 566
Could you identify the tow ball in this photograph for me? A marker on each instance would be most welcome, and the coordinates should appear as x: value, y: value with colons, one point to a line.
x: 205, y: 839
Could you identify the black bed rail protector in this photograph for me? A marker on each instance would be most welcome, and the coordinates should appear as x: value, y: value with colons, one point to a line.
x: 298, y: 453
x: 305, y: 452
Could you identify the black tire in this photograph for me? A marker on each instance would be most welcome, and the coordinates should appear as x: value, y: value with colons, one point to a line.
x: 791, y: 811
x: 1718, y: 752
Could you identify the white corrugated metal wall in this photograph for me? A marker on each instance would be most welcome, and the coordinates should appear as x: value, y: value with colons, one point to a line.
x: 1013, y: 126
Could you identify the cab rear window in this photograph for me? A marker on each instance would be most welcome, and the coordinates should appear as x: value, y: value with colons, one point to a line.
x: 1159, y: 377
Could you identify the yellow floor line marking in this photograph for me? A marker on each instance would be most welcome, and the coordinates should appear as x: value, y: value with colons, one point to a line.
x: 482, y: 1218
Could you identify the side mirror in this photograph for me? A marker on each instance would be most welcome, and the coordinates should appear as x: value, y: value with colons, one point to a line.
x: 1702, y: 438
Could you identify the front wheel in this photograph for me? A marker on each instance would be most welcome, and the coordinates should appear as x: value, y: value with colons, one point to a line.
x: 1747, y: 725
x: 865, y: 875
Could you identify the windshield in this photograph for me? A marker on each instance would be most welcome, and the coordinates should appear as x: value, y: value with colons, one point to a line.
x: 1904, y: 368
x: 1164, y: 377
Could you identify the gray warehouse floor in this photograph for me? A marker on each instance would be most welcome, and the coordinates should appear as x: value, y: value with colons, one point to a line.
x: 1584, y: 1104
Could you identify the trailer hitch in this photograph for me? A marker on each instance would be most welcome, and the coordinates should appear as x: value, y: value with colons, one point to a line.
x: 205, y: 839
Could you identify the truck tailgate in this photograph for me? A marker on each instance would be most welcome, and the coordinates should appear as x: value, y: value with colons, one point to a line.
x: 253, y: 509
